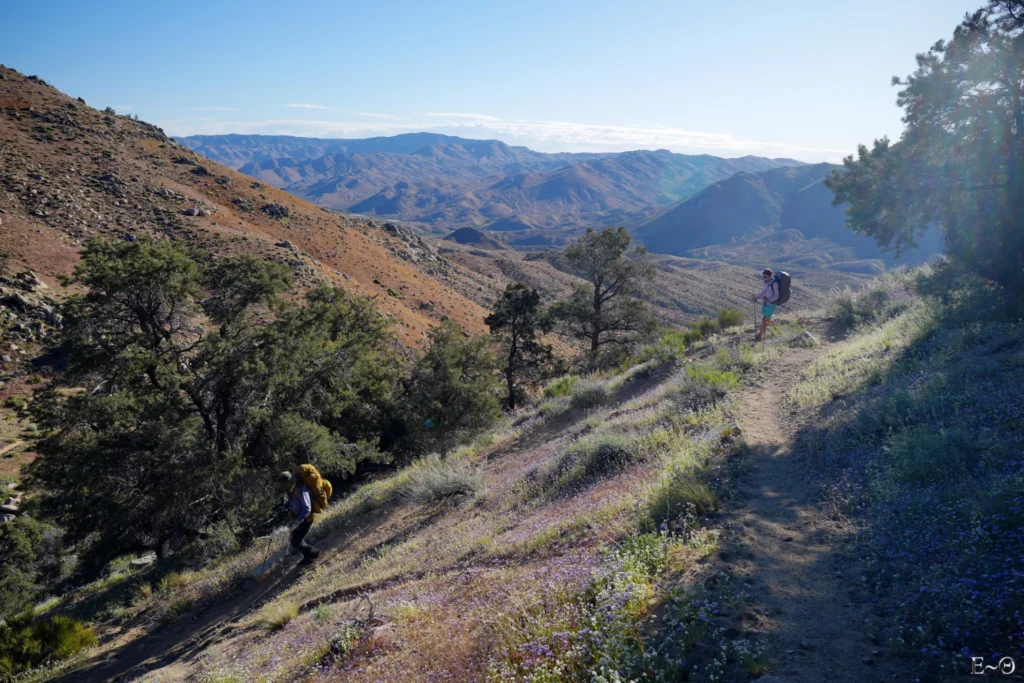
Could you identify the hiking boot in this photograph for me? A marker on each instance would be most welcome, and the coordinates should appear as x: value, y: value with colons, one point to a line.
x: 310, y: 557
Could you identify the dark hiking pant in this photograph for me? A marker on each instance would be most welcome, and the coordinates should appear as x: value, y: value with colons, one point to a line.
x: 297, y: 539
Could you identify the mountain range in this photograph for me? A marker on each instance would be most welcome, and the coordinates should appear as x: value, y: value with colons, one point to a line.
x: 745, y: 211
x: 456, y: 182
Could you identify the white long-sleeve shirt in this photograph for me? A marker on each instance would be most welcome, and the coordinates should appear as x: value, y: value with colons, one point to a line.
x: 769, y: 293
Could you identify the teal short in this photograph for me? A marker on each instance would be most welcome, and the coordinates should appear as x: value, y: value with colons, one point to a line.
x: 767, y: 310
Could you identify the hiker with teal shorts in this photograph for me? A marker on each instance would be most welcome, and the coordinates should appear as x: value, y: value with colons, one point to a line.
x: 769, y: 294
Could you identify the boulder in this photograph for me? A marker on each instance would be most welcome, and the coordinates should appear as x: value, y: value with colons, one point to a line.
x: 7, y: 518
x: 31, y: 281
x: 17, y: 301
x: 275, y: 210
x: 190, y: 211
x: 9, y: 509
x: 805, y: 339
x: 143, y: 561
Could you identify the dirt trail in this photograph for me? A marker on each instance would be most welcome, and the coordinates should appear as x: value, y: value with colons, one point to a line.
x: 794, y: 564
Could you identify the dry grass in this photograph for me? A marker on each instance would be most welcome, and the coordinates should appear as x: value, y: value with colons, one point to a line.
x: 278, y: 615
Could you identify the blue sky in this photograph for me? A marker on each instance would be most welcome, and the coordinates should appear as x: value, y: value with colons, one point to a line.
x: 804, y: 79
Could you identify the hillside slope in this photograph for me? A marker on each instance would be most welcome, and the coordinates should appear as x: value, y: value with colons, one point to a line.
x: 438, y: 179
x: 414, y: 588
x: 69, y: 173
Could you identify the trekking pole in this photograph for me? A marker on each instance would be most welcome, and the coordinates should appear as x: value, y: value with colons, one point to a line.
x: 266, y: 557
x: 270, y: 540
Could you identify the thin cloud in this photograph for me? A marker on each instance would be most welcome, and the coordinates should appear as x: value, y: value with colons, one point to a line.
x: 213, y: 109
x: 381, y: 116
x: 459, y: 115
x: 307, y: 106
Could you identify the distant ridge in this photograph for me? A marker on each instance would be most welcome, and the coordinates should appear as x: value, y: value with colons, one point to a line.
x: 451, y: 181
x: 781, y: 213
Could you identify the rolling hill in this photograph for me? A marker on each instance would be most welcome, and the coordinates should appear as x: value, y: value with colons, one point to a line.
x: 450, y: 181
x: 782, y: 215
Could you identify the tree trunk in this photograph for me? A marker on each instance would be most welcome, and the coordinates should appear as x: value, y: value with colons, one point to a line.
x: 513, y: 351
x: 511, y: 388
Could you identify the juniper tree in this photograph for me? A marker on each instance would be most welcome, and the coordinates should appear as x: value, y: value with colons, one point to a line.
x: 515, y: 321
x: 606, y: 310
x: 452, y: 392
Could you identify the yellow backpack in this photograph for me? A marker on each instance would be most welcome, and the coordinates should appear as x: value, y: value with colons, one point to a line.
x: 320, y: 489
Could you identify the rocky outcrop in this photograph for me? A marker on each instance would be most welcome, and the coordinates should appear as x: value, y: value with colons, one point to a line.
x: 30, y: 316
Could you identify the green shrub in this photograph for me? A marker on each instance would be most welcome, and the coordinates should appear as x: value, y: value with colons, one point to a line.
x: 680, y: 495
x: 885, y: 299
x: 723, y: 380
x: 27, y: 642
x: 730, y: 317
x: 563, y: 386
x: 15, y: 402
x: 177, y: 608
x: 546, y: 407
x: 452, y: 393
x: 19, y: 543
x: 924, y: 454
x: 706, y: 327
x: 432, y: 481
x: 674, y: 343
x: 589, y: 393
x: 589, y: 458
x: 735, y: 359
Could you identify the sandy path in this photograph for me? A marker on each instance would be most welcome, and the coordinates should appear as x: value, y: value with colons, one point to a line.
x: 795, y: 565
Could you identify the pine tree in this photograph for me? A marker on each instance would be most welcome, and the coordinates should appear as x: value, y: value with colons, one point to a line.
x: 515, y: 322
x: 959, y: 164
x: 606, y: 310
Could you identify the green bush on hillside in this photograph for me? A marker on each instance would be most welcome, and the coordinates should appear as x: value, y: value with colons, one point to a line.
x: 680, y: 496
x: 729, y: 317
x: 433, y: 481
x: 588, y: 458
x: 589, y: 393
x: 723, y: 380
x: 27, y: 642
x: 563, y: 386
x: 885, y: 299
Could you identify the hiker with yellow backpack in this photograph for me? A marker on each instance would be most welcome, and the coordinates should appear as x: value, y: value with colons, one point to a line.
x: 308, y: 494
